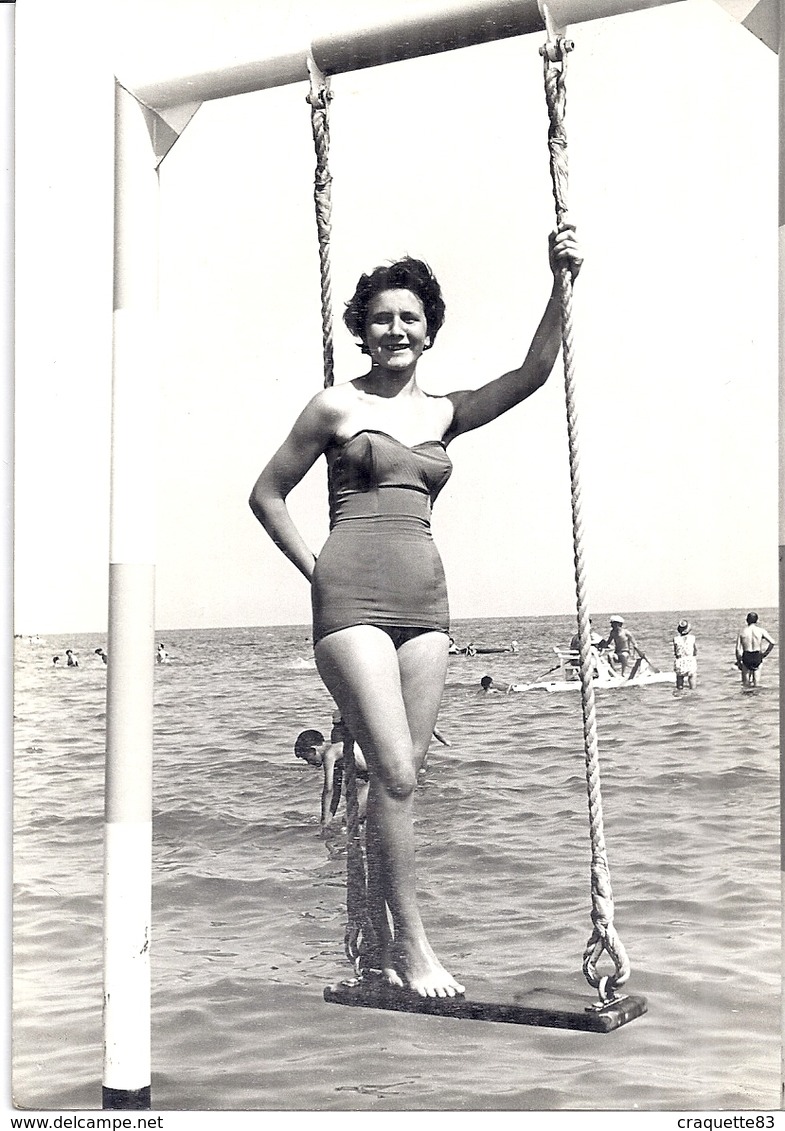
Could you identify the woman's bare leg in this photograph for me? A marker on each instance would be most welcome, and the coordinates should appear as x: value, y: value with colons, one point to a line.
x: 360, y: 668
x: 377, y: 903
x: 428, y: 653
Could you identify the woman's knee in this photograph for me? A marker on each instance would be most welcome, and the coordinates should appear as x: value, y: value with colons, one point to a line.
x: 397, y: 773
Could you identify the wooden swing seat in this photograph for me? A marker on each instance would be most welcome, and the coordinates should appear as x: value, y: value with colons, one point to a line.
x: 539, y: 1006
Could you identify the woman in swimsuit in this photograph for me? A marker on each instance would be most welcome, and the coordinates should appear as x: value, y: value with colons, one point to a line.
x: 379, y: 598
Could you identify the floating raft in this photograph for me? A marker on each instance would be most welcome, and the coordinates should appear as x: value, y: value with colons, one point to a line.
x: 541, y: 1007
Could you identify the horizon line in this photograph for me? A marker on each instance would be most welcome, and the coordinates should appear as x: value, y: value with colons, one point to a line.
x: 738, y: 609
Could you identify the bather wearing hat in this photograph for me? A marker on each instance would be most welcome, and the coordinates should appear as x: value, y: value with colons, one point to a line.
x: 685, y: 652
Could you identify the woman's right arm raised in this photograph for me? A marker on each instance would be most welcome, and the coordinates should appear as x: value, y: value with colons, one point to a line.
x: 307, y: 440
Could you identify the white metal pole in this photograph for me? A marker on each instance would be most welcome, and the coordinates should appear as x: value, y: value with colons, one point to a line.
x: 129, y: 709
x: 435, y: 26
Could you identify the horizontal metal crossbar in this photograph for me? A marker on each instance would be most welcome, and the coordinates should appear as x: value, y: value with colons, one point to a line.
x: 427, y: 30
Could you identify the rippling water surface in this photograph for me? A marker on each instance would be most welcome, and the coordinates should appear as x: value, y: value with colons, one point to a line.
x: 248, y: 911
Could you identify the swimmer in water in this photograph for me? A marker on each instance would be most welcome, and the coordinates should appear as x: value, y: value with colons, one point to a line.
x: 488, y: 687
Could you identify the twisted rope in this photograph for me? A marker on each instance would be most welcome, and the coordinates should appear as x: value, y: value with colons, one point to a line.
x: 359, y: 940
x: 319, y: 98
x: 604, y: 937
x: 359, y: 936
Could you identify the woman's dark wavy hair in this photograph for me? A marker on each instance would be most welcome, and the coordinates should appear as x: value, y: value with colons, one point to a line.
x: 405, y: 274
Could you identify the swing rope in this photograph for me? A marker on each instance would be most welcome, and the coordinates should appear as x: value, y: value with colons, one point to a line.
x: 319, y: 98
x: 604, y: 936
x: 359, y: 936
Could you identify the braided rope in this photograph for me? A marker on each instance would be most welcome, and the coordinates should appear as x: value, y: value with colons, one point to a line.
x: 359, y: 936
x: 604, y: 936
x: 359, y: 940
x: 319, y: 98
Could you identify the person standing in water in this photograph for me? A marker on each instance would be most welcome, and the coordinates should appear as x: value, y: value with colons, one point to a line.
x: 380, y: 613
x: 314, y: 749
x: 750, y: 649
x: 685, y: 653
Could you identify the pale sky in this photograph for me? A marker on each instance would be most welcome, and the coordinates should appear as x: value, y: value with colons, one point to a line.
x: 672, y: 127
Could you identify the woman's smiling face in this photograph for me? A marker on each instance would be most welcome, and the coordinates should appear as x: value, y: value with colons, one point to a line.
x: 396, y: 329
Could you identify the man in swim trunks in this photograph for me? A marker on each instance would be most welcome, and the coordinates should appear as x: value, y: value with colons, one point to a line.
x: 314, y: 749
x: 623, y: 644
x: 750, y: 653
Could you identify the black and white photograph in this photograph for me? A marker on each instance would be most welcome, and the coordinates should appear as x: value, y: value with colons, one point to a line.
x: 395, y: 561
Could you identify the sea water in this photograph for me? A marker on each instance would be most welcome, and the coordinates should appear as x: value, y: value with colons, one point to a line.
x: 248, y: 892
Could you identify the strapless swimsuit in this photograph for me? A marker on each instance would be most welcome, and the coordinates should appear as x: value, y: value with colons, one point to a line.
x: 380, y: 565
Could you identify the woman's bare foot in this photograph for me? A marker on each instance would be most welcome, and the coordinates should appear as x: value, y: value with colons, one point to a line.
x: 415, y: 966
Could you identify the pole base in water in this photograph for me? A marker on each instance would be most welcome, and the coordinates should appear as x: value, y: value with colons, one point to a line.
x: 119, y: 1099
x: 541, y: 1007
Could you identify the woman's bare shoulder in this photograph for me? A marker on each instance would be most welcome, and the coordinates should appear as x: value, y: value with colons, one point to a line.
x: 328, y: 406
